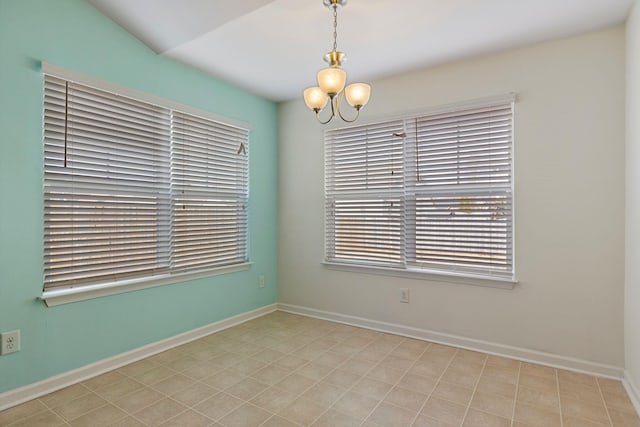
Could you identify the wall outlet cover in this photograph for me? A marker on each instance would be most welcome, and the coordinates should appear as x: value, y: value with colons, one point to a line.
x: 404, y: 295
x: 9, y: 342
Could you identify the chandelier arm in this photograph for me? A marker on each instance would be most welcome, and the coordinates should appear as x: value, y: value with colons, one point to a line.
x: 333, y: 113
x: 339, y: 102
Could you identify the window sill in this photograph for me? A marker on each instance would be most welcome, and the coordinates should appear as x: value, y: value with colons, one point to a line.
x: 436, y: 276
x: 81, y: 293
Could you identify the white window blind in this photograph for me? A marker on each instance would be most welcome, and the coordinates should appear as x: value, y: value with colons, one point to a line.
x: 463, y: 203
x: 364, y: 204
x: 210, y: 183
x: 430, y: 192
x: 133, y: 190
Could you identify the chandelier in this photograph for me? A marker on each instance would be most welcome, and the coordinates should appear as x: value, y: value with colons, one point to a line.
x: 331, y: 80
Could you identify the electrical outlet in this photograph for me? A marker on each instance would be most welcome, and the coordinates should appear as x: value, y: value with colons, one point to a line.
x: 261, y: 281
x: 9, y: 342
x: 404, y: 295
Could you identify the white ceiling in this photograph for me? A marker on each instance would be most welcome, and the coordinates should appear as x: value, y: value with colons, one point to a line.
x: 274, y: 47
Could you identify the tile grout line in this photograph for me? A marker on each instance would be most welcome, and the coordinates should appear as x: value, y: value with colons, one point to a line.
x: 349, y: 357
x: 15, y: 421
x: 218, y: 391
x: 219, y: 420
x: 353, y: 385
x: 299, y: 395
x: 166, y: 395
x: 415, y: 418
x: 515, y: 397
x: 395, y: 384
x: 604, y: 402
x: 348, y: 389
x: 107, y: 401
x: 475, y: 388
x: 291, y: 353
x: 150, y: 386
x: 178, y: 414
x: 89, y: 391
x: 555, y: 371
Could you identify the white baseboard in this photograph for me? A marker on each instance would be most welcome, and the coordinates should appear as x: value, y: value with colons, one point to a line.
x: 40, y: 388
x: 632, y: 390
x: 527, y: 355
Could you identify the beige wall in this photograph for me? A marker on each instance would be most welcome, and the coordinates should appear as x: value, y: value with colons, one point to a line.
x: 569, y: 200
x: 632, y: 289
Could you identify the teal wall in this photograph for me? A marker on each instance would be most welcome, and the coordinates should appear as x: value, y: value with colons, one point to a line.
x: 74, y: 35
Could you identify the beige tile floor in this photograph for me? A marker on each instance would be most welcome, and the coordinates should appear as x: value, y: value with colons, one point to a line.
x: 284, y: 370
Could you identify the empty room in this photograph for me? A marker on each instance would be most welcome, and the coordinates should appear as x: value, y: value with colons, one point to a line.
x: 320, y: 213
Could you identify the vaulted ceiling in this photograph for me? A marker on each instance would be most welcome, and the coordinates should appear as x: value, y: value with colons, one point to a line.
x: 274, y: 47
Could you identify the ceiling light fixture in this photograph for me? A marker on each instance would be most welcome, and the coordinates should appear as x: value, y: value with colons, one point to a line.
x: 331, y: 80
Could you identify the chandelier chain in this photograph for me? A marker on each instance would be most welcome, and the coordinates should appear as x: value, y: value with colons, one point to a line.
x: 335, y: 27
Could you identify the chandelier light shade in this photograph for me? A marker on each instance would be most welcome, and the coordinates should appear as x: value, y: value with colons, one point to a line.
x: 315, y: 98
x: 332, y: 80
x: 358, y: 94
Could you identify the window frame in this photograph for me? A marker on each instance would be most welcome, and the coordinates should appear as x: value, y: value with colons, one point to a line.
x: 66, y: 294
x: 408, y: 269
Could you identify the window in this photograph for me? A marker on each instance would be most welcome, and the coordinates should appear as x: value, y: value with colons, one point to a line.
x: 134, y: 190
x: 430, y: 193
